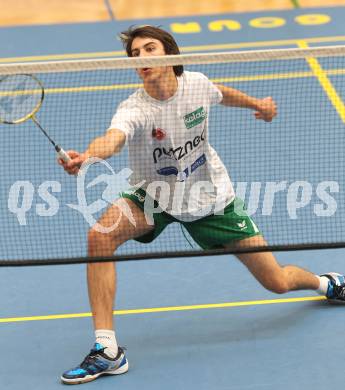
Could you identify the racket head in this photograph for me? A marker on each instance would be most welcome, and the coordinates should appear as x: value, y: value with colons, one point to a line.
x: 21, y: 96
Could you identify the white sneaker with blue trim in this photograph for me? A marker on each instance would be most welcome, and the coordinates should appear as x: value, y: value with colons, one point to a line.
x: 336, y: 288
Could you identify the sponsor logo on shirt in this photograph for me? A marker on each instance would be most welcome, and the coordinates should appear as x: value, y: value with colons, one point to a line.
x: 167, y: 171
x: 158, y: 133
x: 179, y: 152
x: 197, y: 163
x: 194, y: 118
x: 182, y: 175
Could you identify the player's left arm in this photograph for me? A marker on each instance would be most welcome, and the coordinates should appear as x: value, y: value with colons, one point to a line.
x: 265, y: 108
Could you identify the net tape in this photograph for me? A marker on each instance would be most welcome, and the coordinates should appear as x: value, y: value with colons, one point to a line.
x: 171, y: 60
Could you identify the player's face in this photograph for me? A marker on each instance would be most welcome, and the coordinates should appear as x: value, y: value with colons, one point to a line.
x: 147, y: 47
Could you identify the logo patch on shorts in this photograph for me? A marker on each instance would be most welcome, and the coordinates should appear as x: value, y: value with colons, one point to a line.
x: 242, y: 225
x: 194, y: 118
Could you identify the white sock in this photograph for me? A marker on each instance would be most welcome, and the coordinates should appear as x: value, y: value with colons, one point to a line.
x: 322, y: 290
x: 107, y: 338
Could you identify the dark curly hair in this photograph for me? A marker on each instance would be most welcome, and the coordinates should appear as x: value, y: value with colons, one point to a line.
x: 168, y: 41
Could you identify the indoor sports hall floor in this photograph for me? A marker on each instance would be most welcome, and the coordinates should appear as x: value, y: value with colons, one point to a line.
x: 196, y: 323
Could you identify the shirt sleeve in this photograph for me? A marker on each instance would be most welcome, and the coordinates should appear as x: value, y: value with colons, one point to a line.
x: 213, y: 93
x: 130, y: 120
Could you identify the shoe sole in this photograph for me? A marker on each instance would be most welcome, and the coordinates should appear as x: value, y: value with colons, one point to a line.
x: 338, y: 302
x: 121, y: 370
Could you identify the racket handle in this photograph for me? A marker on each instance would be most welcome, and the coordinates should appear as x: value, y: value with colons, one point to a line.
x: 62, y: 154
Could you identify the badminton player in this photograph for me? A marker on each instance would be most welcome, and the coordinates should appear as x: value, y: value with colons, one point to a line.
x: 165, y: 125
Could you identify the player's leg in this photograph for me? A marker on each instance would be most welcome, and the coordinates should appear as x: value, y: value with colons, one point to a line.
x: 106, y: 357
x: 234, y: 229
x: 281, y: 279
x: 273, y: 276
x: 101, y: 277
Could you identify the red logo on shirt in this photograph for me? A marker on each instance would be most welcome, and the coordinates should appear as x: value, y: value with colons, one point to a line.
x: 158, y: 133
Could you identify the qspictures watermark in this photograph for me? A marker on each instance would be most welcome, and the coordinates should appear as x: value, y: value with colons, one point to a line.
x: 261, y: 198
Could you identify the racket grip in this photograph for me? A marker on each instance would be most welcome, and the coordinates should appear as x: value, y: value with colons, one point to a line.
x: 62, y: 154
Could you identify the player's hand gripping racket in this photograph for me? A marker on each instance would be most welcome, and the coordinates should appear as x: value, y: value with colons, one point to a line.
x: 21, y: 96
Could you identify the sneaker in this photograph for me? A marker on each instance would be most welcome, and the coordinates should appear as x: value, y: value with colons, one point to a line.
x: 336, y: 288
x: 95, y: 364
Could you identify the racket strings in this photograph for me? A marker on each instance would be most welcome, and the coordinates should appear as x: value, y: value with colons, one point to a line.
x: 20, y: 97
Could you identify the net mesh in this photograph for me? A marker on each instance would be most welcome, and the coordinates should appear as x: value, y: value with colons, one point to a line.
x: 290, y: 173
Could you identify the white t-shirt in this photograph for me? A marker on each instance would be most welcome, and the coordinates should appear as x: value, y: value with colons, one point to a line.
x: 169, y: 149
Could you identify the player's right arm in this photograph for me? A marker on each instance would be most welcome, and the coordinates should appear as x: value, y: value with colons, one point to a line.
x: 102, y: 147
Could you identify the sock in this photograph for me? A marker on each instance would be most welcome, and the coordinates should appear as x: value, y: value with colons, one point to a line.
x: 322, y: 290
x: 107, y: 338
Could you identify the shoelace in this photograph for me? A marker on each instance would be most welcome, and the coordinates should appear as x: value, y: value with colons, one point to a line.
x: 90, y: 358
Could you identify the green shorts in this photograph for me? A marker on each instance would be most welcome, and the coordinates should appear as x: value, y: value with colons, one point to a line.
x: 211, y: 232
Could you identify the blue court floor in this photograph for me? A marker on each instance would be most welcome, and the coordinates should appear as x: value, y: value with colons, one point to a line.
x: 263, y: 344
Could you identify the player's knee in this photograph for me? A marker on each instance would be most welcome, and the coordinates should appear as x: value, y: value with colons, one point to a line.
x: 277, y: 285
x: 281, y: 288
x: 94, y: 236
x: 96, y: 239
